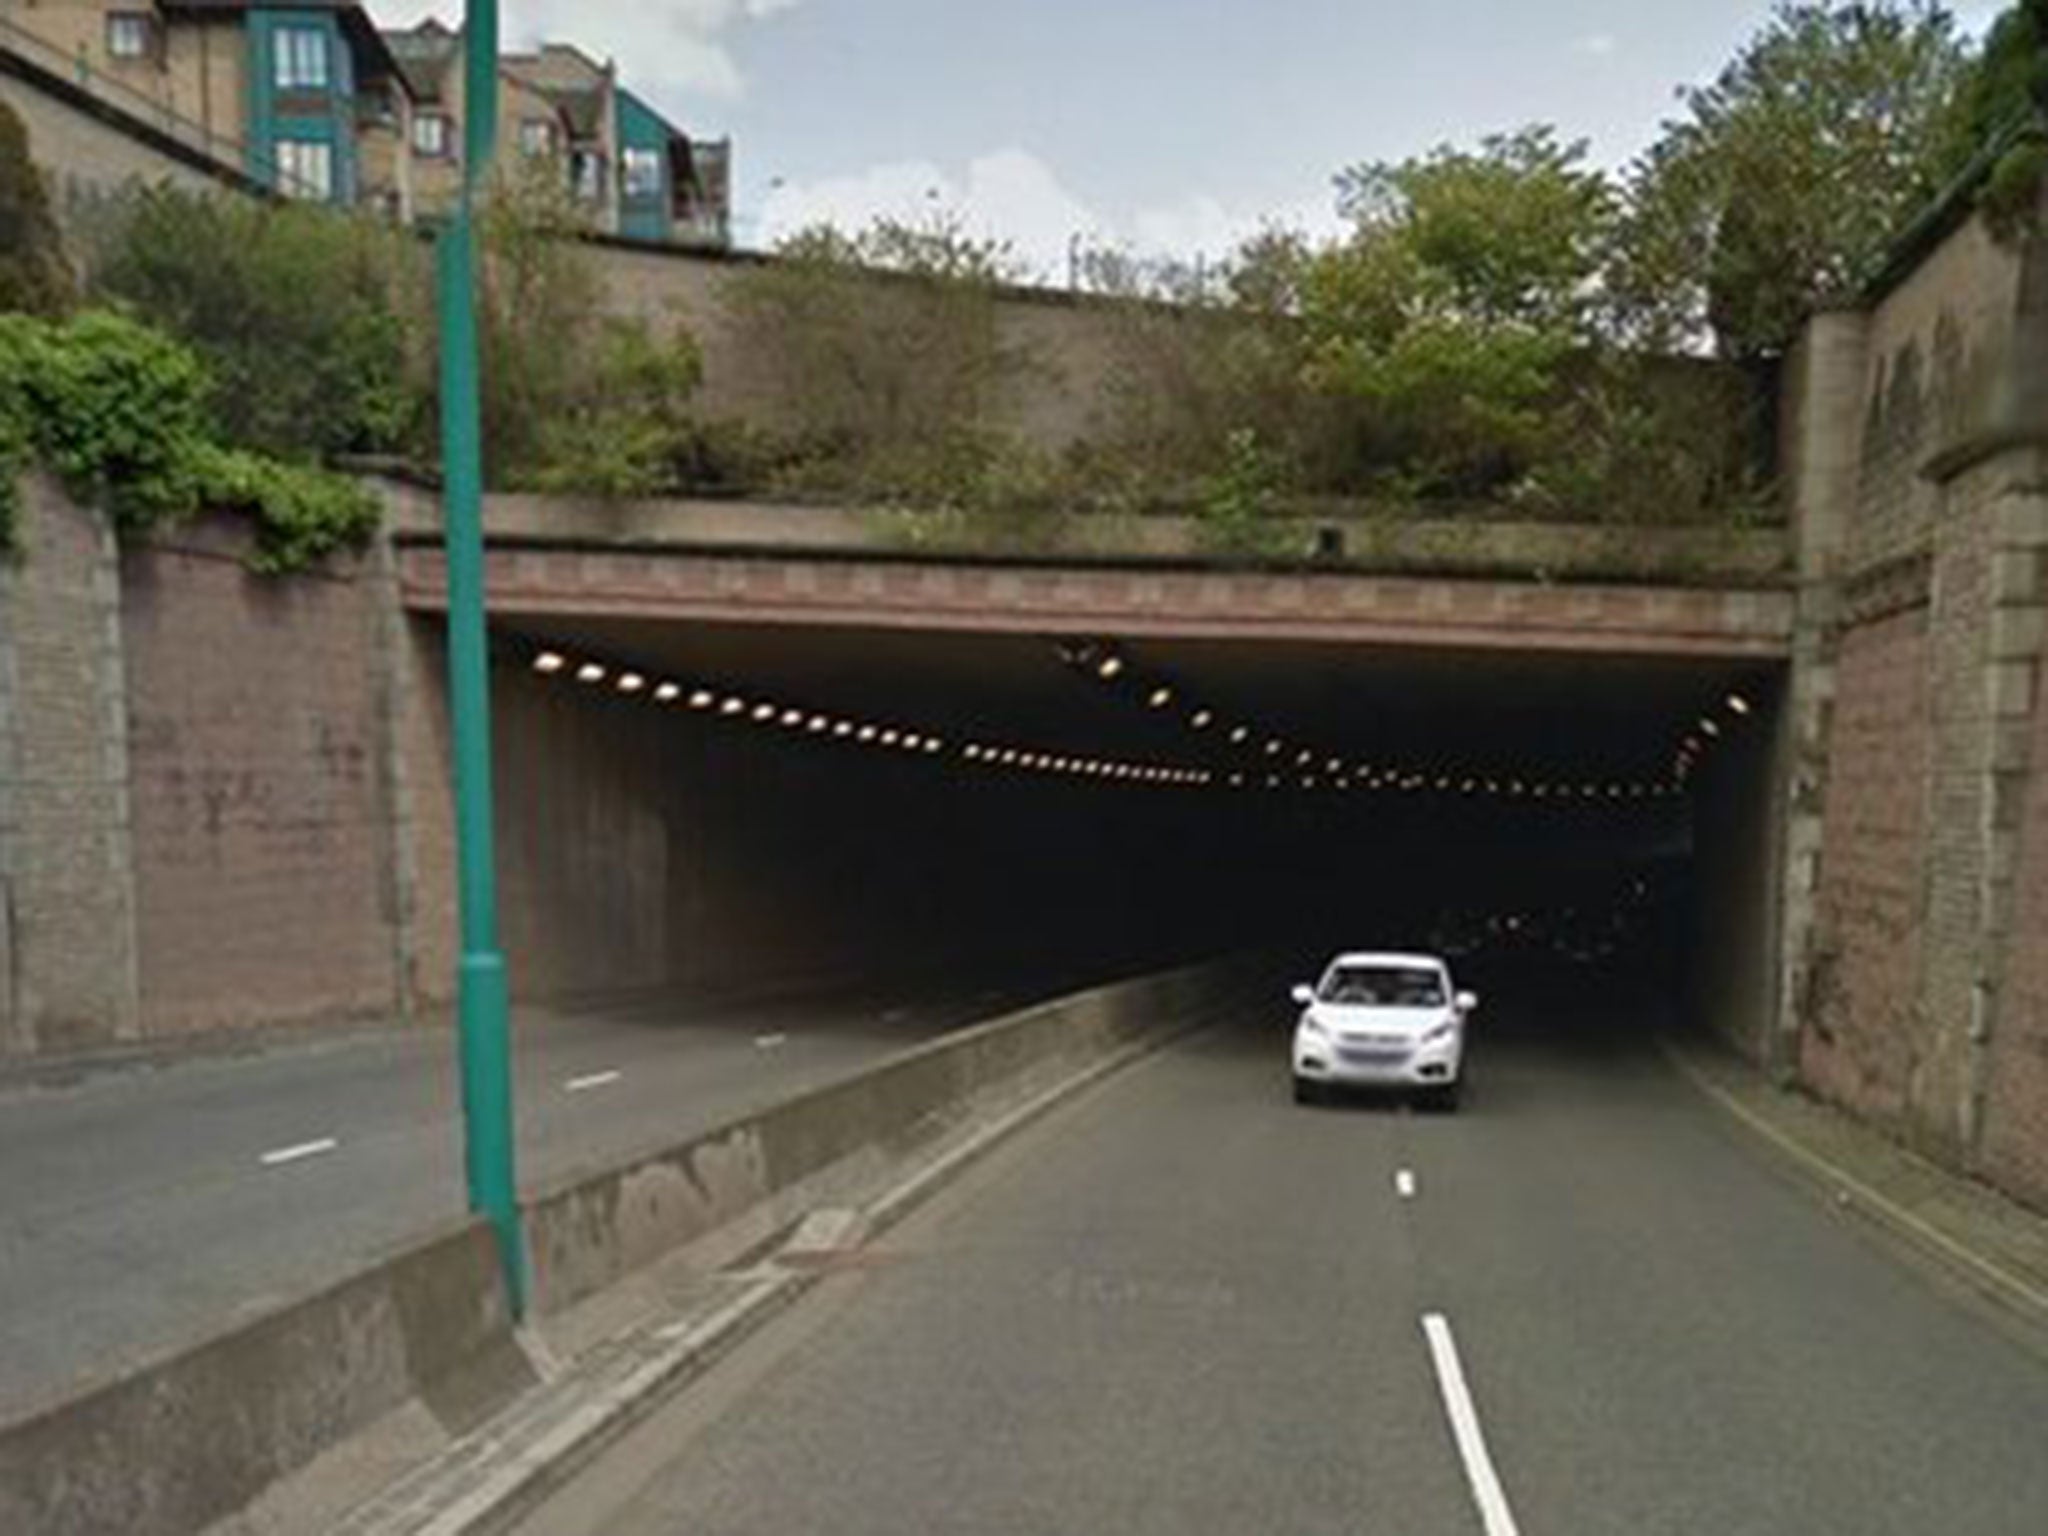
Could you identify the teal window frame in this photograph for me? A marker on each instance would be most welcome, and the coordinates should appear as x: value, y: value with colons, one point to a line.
x: 307, y: 190
x: 302, y: 58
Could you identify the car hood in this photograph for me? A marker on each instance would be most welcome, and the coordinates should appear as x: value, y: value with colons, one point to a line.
x: 1352, y: 1019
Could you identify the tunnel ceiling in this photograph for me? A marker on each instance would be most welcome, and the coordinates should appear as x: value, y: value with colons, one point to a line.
x: 1568, y: 716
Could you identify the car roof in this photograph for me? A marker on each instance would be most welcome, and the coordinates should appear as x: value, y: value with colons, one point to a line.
x: 1388, y: 957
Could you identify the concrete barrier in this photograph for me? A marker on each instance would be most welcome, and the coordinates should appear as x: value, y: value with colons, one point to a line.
x: 187, y: 1442
x: 772, y: 1166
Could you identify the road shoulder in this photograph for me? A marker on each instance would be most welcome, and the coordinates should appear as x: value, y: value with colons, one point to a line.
x: 1976, y: 1236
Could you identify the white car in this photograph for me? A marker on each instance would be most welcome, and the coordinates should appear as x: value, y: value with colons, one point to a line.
x: 1382, y: 1021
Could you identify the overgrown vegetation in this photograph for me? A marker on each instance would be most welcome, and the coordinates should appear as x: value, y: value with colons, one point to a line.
x: 884, y: 352
x: 1501, y: 325
x: 120, y: 413
x: 297, y: 314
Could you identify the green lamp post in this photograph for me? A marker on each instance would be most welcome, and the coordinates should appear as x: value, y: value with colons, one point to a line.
x: 482, y: 995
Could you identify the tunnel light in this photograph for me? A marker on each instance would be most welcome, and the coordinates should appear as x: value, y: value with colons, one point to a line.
x: 1110, y: 668
x: 667, y: 693
x: 1335, y: 765
x: 886, y: 738
x: 702, y: 699
x: 590, y: 672
x: 933, y: 746
x: 867, y: 733
x: 548, y: 663
x: 1737, y: 704
x: 1202, y: 719
x: 733, y: 707
x: 1240, y: 736
x: 1303, y: 758
x: 1273, y: 747
x: 1161, y: 697
x: 1691, y: 747
x: 842, y: 730
x: 631, y: 682
x: 913, y: 743
x: 817, y: 725
x: 1443, y: 783
x: 1710, y: 727
x: 792, y: 718
x: 763, y: 713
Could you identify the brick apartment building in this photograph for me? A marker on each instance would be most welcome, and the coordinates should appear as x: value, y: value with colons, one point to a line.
x: 311, y: 98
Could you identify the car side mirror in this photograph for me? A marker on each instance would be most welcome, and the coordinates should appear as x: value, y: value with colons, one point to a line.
x: 1468, y: 1002
x: 1304, y: 994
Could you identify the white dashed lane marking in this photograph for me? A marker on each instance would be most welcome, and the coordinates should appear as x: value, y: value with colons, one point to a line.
x: 594, y: 1080
x: 1404, y: 1184
x: 299, y: 1153
x: 1487, y: 1493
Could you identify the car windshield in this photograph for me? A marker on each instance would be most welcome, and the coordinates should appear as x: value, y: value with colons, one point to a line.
x: 1384, y: 986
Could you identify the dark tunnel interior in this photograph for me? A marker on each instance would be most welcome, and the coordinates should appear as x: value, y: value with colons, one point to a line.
x: 733, y: 806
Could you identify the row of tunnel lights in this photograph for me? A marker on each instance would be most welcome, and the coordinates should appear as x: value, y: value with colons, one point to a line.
x: 1110, y: 666
x: 885, y: 737
x: 1308, y: 770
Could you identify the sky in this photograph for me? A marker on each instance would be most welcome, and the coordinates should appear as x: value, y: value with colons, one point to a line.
x: 1163, y: 127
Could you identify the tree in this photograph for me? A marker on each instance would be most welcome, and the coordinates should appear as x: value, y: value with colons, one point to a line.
x: 1511, y: 233
x: 293, y: 308
x: 1784, y: 183
x: 33, y: 274
x: 2006, y: 107
x: 1465, y: 284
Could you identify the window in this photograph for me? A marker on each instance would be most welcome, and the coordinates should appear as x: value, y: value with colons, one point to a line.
x: 642, y: 173
x: 430, y: 135
x: 131, y: 35
x: 305, y: 169
x: 301, y: 59
x: 1384, y: 986
x: 586, y: 174
x: 536, y: 138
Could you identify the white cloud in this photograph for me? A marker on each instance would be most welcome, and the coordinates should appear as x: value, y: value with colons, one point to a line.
x: 673, y: 43
x: 1013, y: 195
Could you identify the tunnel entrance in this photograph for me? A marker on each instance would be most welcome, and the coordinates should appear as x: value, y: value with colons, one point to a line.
x: 687, y: 801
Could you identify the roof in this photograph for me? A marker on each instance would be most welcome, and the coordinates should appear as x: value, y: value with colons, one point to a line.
x: 559, y: 67
x: 355, y: 22
x: 1390, y: 957
x: 424, y: 55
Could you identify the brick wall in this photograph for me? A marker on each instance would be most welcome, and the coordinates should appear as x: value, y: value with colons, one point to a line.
x: 67, y: 917
x: 2015, y: 1150
x: 1920, y: 1006
x: 84, y: 149
x: 262, y: 804
x: 1861, y: 1042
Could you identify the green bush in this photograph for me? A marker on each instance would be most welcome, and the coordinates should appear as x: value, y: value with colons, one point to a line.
x: 297, y: 312
x: 118, y: 412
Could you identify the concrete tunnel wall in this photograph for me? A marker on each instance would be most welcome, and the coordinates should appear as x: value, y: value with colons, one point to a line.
x: 1730, y: 971
x: 644, y: 850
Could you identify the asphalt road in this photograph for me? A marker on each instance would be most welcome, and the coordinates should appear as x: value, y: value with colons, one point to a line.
x: 144, y: 1209
x: 1183, y: 1305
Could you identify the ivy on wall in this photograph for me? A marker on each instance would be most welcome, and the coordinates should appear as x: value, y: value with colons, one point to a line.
x: 118, y: 413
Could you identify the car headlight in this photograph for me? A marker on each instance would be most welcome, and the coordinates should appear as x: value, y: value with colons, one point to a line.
x: 1313, y: 1024
x: 1440, y: 1034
